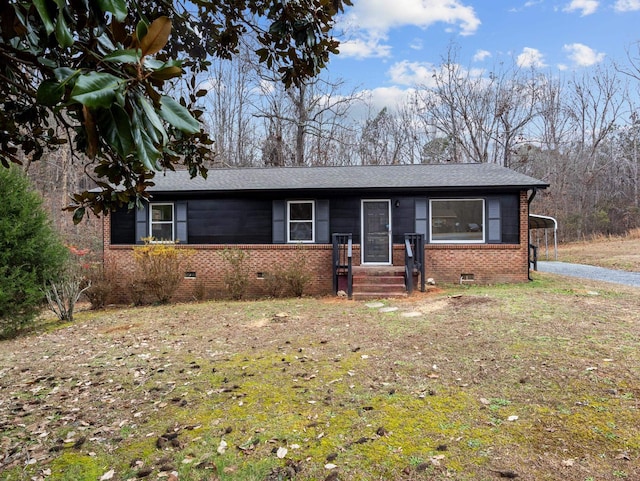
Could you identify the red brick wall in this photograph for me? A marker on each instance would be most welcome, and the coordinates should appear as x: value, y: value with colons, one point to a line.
x: 209, y: 266
x: 489, y: 263
x: 445, y: 263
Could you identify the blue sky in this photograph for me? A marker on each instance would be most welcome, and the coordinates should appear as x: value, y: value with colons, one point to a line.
x: 389, y: 45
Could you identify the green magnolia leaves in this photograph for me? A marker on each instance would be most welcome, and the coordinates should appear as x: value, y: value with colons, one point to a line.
x: 116, y: 126
x: 132, y: 56
x: 178, y: 116
x: 99, y: 69
x: 41, y: 7
x: 131, y: 123
x: 63, y: 34
x: 50, y: 92
x: 117, y: 7
x: 96, y: 89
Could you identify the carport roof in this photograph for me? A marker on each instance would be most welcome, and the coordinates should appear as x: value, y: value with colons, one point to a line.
x: 542, y: 222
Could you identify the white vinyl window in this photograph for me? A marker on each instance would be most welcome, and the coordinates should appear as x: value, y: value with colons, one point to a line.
x: 161, y: 222
x: 458, y: 221
x: 301, y: 221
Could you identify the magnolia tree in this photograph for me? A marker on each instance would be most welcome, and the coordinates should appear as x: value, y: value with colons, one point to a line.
x: 98, y: 74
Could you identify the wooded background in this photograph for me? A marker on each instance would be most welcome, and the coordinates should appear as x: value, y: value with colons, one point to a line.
x: 578, y: 131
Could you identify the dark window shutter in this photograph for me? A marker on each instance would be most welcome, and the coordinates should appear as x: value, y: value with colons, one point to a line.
x: 494, y: 228
x: 422, y: 218
x: 323, y: 235
x: 510, y: 212
x: 123, y: 226
x: 142, y: 221
x: 278, y: 222
x: 181, y: 222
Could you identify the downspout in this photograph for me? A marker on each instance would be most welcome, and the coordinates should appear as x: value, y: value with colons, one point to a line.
x: 531, y: 197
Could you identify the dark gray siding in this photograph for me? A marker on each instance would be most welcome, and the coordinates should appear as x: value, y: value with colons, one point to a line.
x: 345, y: 216
x: 229, y: 221
x: 403, y: 217
x: 251, y: 220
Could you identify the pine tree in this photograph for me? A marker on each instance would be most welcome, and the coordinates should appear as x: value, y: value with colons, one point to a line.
x: 30, y: 252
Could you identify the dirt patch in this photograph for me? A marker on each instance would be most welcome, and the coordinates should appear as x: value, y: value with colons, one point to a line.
x: 465, y: 301
x: 432, y: 305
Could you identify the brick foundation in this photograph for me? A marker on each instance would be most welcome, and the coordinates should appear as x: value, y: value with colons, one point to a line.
x: 208, y: 266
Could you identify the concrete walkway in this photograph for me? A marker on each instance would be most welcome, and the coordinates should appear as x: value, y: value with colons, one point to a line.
x: 590, y: 272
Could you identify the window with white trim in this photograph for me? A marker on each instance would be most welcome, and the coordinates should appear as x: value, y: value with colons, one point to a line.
x: 161, y: 222
x: 457, y: 221
x: 301, y: 220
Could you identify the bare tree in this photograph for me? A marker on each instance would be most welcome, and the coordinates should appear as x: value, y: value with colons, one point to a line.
x: 516, y: 107
x: 377, y: 146
x: 460, y: 106
x: 482, y: 115
x: 229, y: 110
x: 310, y: 116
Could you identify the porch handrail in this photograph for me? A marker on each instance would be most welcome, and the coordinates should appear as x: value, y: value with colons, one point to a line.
x: 408, y: 265
x: 533, y: 257
x: 343, y: 260
x: 414, y: 259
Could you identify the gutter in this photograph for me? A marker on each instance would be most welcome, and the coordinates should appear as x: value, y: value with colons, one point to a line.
x: 529, y: 200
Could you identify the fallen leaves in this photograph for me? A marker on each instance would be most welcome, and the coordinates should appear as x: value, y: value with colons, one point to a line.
x: 108, y: 475
x: 222, y: 447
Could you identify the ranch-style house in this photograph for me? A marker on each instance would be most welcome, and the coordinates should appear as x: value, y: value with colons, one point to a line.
x: 364, y: 231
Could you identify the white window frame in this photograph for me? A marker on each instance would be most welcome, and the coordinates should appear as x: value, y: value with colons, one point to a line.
x: 312, y: 220
x: 458, y: 241
x: 163, y: 222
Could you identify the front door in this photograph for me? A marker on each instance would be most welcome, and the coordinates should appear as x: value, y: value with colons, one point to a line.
x: 376, y: 232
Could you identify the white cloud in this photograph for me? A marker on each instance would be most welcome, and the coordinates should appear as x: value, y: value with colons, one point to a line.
x: 374, y: 18
x: 389, y: 96
x: 528, y: 4
x: 583, y: 56
x: 530, y: 57
x: 411, y: 73
x: 365, y: 47
x: 481, y: 55
x: 627, y: 5
x: 383, y: 15
x: 379, y: 98
x: 416, y: 44
x: 586, y: 7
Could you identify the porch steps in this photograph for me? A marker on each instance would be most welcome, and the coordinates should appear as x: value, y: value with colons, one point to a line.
x: 378, y: 282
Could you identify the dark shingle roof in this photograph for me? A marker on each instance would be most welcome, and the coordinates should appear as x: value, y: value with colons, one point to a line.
x: 393, y: 177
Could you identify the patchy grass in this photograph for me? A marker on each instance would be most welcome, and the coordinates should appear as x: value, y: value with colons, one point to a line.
x: 611, y: 252
x: 538, y: 380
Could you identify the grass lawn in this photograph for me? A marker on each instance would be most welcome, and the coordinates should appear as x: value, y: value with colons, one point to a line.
x: 610, y: 252
x: 539, y: 381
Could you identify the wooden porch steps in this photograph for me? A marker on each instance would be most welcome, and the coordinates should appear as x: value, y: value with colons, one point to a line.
x: 378, y: 282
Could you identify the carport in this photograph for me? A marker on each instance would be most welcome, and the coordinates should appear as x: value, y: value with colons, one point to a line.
x: 548, y: 224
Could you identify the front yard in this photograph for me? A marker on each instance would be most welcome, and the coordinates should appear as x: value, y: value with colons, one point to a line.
x: 539, y: 381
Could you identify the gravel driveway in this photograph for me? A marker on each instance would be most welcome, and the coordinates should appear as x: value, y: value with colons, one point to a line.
x: 590, y: 272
